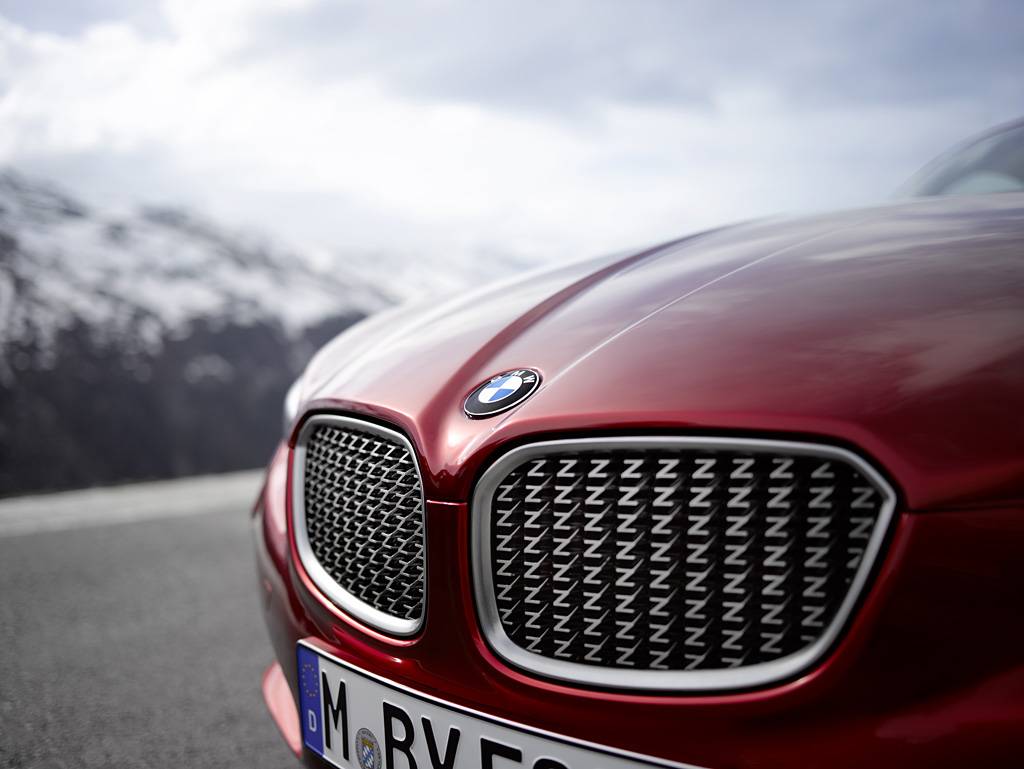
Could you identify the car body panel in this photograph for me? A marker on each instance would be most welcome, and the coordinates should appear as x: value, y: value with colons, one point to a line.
x: 865, y: 327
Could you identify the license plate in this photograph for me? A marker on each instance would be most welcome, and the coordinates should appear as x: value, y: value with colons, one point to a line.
x: 355, y: 719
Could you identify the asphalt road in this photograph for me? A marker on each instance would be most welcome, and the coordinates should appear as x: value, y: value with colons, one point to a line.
x: 134, y: 640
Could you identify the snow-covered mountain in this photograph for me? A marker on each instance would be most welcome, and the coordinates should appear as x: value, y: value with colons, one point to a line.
x: 135, y: 278
x: 157, y: 343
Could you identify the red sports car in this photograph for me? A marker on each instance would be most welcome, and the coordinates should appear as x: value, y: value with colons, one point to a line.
x: 752, y: 498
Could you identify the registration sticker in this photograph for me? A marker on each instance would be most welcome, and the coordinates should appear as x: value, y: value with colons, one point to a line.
x: 355, y: 719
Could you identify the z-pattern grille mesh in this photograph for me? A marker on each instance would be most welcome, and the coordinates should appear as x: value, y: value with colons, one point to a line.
x: 676, y: 559
x: 364, y: 517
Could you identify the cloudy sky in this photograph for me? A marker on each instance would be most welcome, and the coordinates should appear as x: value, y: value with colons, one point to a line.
x: 551, y: 127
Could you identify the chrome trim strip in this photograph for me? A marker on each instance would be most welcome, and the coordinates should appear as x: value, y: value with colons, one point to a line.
x: 325, y: 583
x: 753, y: 676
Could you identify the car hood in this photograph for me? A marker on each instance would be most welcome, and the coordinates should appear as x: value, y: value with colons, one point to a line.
x: 897, y: 330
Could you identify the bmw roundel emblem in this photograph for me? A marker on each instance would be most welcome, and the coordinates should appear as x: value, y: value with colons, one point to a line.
x: 502, y: 392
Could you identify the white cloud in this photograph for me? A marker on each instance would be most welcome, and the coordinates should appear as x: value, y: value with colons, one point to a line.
x: 353, y: 157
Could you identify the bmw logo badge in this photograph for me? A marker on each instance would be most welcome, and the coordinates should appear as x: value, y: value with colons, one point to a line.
x: 502, y: 392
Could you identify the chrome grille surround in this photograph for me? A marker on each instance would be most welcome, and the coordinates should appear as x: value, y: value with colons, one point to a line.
x: 678, y: 534
x: 358, y: 517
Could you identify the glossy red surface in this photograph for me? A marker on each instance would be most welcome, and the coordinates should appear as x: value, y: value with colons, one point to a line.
x: 870, y: 328
x: 278, y: 696
x: 896, y: 331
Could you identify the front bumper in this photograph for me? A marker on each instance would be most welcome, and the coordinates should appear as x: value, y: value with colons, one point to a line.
x: 929, y: 673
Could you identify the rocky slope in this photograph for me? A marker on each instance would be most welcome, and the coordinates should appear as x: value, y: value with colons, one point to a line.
x: 149, y: 344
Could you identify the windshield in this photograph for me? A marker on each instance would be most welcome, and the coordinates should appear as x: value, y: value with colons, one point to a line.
x: 994, y: 163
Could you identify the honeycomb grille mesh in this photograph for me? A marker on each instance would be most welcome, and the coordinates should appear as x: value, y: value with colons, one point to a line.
x: 676, y: 558
x: 364, y: 517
